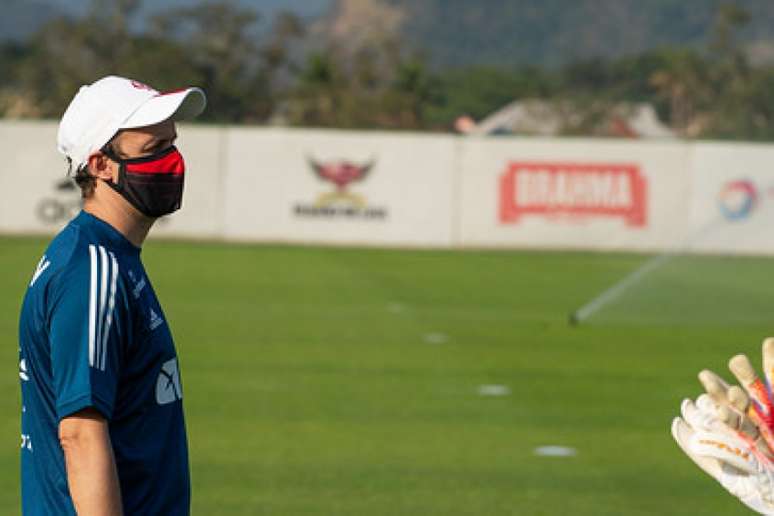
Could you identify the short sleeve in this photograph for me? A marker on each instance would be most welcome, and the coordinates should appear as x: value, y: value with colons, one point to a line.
x: 87, y: 320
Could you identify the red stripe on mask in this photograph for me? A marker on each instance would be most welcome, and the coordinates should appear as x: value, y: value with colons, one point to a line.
x: 172, y: 164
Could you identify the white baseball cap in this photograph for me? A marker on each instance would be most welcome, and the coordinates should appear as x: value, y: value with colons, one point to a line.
x: 98, y: 111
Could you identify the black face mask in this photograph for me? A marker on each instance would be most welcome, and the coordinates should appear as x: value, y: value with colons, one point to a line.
x: 152, y: 184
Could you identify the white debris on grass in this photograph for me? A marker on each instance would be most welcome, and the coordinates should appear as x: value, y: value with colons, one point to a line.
x: 436, y: 338
x: 396, y: 308
x: 555, y: 451
x: 494, y: 390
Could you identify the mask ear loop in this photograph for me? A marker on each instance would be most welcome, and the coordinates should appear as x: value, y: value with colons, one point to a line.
x: 108, y: 151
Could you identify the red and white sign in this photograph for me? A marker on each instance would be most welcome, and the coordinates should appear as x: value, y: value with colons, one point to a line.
x: 572, y: 194
x: 576, y: 190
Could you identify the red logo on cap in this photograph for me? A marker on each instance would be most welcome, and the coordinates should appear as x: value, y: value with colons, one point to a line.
x: 141, y: 86
x: 170, y: 92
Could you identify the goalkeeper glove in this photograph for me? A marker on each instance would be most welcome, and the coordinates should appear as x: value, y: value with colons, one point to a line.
x: 755, y: 408
x: 726, y: 454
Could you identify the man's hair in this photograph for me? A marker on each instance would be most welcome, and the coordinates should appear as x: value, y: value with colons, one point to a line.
x: 84, y: 179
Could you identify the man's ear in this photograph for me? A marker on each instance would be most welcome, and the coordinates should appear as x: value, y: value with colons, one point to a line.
x: 101, y: 166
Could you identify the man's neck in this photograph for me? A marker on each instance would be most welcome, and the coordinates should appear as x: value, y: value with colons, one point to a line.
x: 109, y: 206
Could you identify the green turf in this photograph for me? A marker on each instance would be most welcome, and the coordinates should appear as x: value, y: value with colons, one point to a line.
x: 311, y: 387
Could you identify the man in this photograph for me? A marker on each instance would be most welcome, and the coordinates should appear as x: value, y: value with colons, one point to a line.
x: 102, y: 418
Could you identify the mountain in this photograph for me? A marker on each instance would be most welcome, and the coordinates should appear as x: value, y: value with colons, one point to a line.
x: 490, y: 32
x: 553, y: 32
x: 23, y: 17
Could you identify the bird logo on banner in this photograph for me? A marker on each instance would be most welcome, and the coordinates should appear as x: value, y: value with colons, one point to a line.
x: 341, y: 173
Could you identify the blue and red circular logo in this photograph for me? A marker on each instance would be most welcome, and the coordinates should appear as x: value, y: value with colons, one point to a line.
x: 738, y: 199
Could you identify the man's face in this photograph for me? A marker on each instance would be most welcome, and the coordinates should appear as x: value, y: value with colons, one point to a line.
x: 133, y: 143
x: 137, y: 143
x: 143, y: 141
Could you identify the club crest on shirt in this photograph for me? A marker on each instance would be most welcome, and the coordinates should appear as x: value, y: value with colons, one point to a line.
x: 168, y: 388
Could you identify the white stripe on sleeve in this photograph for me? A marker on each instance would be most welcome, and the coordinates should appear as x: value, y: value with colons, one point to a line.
x: 92, y: 303
x: 103, y: 290
x: 111, y: 306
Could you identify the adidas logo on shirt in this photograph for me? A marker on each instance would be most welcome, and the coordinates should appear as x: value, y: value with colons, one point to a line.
x: 155, y: 320
x: 138, y: 285
x: 42, y: 266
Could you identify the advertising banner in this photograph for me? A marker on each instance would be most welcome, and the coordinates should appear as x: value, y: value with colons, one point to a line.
x: 38, y: 197
x: 584, y: 194
x: 420, y: 190
x: 339, y: 187
x: 35, y: 194
x: 573, y: 189
x: 732, y: 192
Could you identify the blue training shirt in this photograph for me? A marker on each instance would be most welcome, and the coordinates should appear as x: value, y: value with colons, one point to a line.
x: 92, y: 334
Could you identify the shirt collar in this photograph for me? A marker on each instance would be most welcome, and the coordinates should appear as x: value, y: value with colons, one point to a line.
x: 107, y: 232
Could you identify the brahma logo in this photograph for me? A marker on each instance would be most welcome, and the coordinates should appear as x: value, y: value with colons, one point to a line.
x: 738, y: 199
x: 340, y: 202
x: 575, y: 190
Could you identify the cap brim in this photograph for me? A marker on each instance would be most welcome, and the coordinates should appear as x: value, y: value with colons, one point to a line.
x: 176, y: 105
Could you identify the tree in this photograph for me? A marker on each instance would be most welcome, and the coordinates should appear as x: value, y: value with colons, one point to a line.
x: 316, y: 98
x: 224, y: 52
x: 683, y: 80
x: 67, y: 53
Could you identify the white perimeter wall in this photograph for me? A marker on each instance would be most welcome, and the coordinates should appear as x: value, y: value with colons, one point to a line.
x: 419, y: 190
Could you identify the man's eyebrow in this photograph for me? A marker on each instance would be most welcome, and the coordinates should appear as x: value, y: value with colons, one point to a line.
x: 159, y: 139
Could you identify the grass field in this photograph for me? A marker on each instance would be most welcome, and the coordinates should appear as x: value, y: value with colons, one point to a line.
x: 345, y: 382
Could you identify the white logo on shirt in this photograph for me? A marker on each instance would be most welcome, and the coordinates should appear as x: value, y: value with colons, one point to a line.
x: 155, y: 320
x: 42, y: 266
x: 168, y: 388
x: 26, y: 442
x: 23, y: 370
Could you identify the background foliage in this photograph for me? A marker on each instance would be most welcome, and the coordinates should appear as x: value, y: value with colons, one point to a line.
x: 393, y: 64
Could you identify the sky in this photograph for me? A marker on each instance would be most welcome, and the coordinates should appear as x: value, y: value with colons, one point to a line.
x: 304, y: 7
x: 20, y: 17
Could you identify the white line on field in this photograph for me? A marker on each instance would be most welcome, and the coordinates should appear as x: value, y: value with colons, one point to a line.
x: 555, y: 451
x: 494, y: 390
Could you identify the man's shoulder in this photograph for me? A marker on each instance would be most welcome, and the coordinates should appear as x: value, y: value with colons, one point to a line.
x: 77, y: 265
x: 71, y: 254
x: 64, y: 263
x: 67, y: 251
